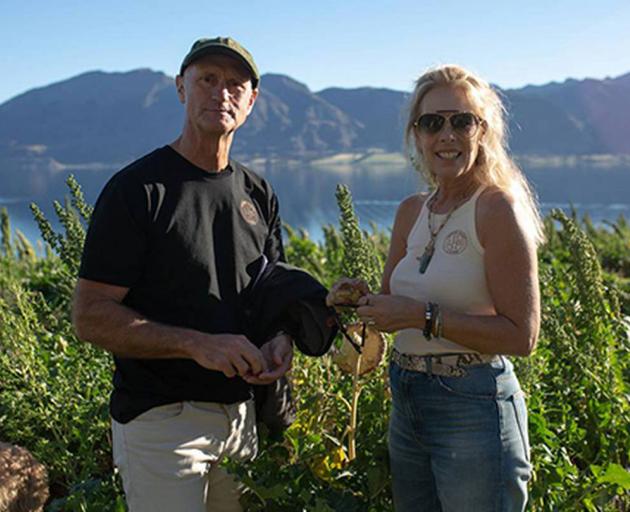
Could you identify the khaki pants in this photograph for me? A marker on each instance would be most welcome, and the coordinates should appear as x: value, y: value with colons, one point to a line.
x: 168, y: 456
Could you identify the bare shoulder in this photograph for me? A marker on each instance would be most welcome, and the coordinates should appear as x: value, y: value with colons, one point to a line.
x: 410, y: 206
x: 408, y: 211
x: 497, y: 215
x: 494, y: 200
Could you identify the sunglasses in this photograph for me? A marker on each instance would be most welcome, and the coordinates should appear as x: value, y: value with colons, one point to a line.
x: 464, y: 124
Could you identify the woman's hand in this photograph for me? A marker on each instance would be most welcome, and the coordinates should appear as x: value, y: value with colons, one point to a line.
x: 389, y: 313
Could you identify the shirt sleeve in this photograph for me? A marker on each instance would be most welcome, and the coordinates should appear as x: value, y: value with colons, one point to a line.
x: 116, y: 243
x: 273, y: 245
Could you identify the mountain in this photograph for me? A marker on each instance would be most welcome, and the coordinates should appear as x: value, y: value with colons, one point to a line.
x: 289, y: 118
x: 95, y: 116
x: 596, y: 112
x: 114, y: 117
x: 97, y: 121
x: 380, y: 112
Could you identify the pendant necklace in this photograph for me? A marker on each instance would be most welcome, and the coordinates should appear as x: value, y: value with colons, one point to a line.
x: 425, y: 259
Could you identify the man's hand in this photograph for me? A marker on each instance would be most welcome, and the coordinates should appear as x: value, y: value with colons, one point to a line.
x: 100, y: 317
x: 232, y: 354
x: 278, y: 354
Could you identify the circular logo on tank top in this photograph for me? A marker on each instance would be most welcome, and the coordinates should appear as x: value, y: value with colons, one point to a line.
x: 249, y: 213
x: 455, y: 242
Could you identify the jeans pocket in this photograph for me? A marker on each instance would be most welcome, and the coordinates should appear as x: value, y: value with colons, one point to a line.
x: 479, y: 382
x: 520, y: 414
x: 161, y: 413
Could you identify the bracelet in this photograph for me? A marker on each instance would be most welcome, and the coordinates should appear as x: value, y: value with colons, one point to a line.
x: 428, y: 320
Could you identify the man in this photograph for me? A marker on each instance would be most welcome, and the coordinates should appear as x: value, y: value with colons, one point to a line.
x: 173, y: 241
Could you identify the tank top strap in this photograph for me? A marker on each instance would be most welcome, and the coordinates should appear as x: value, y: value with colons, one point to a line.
x: 421, y: 215
x: 477, y: 193
x: 475, y: 196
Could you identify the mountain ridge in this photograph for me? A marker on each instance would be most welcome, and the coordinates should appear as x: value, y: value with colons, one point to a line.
x: 107, y: 117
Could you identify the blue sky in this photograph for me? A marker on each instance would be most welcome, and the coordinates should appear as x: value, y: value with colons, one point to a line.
x: 347, y: 43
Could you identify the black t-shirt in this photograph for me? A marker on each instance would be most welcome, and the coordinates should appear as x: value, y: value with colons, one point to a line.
x: 182, y: 240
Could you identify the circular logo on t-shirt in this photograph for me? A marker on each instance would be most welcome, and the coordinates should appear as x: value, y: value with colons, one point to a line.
x: 455, y: 242
x: 249, y: 213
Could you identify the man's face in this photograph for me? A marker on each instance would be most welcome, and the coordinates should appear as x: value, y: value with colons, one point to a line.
x: 218, y: 95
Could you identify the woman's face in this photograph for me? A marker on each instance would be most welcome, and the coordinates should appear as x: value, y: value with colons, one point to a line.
x: 449, y: 142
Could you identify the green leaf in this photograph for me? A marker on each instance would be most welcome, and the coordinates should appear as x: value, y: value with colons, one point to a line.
x: 271, y: 493
x: 616, y: 474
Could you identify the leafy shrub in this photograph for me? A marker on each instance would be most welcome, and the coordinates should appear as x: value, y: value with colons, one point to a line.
x: 54, y: 389
x: 578, y: 404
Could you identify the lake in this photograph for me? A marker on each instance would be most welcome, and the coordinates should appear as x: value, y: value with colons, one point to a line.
x: 307, y: 193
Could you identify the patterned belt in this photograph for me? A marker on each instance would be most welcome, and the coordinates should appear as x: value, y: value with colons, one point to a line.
x: 447, y: 365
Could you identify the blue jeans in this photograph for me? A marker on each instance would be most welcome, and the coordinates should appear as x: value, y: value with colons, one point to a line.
x: 459, y: 444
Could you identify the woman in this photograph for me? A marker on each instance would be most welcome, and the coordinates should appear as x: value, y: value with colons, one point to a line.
x: 460, y: 288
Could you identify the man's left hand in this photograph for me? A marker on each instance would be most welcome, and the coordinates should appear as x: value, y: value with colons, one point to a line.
x: 278, y: 352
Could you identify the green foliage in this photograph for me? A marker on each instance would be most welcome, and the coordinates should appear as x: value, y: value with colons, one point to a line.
x: 5, y: 234
x: 578, y: 396
x: 360, y: 260
x: 68, y: 245
x: 310, y: 465
x: 93, y: 495
x: 303, y: 252
x: 24, y: 248
x: 54, y: 389
x: 52, y: 401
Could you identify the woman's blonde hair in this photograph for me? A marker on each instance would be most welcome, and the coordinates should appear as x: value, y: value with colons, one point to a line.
x: 494, y: 166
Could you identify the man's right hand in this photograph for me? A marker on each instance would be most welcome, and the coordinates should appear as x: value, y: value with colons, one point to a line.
x: 232, y: 354
x: 100, y: 318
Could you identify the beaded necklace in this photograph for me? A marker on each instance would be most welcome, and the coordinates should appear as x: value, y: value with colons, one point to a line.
x: 427, y: 255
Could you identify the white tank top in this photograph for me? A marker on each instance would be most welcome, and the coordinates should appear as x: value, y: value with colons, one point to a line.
x: 455, y: 278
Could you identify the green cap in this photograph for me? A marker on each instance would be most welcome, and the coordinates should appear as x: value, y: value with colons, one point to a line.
x: 222, y: 46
